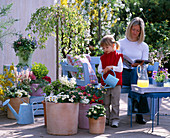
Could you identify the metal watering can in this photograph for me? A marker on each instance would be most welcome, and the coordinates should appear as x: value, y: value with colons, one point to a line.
x: 26, y: 113
x: 110, y: 80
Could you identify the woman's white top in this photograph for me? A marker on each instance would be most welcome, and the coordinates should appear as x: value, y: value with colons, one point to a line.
x: 118, y: 68
x: 133, y: 50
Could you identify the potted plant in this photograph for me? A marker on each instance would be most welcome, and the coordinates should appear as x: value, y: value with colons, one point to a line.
x: 62, y: 108
x: 91, y: 95
x: 15, y: 86
x: 160, y: 76
x: 24, y: 48
x: 97, y: 118
x: 39, y: 79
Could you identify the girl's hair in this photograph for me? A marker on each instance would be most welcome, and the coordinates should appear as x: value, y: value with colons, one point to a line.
x: 109, y: 40
x: 136, y: 21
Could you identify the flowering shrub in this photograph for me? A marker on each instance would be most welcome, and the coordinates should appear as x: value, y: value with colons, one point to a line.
x: 64, y: 90
x: 91, y: 94
x: 161, y: 75
x: 39, y: 75
x: 24, y: 47
x: 96, y: 111
x: 14, y: 84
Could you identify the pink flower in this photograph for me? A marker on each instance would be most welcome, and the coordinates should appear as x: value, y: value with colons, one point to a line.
x: 32, y: 76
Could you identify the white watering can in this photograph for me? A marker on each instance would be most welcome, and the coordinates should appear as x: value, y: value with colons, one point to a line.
x: 110, y: 80
x: 25, y: 115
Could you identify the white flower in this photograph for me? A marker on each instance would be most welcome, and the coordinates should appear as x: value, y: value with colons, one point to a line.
x: 127, y: 9
x: 89, y: 113
x: 71, y: 100
x: 141, y: 9
x: 95, y: 112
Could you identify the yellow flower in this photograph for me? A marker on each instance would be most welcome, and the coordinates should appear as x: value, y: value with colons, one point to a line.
x: 12, y: 67
x: 1, y: 91
x: 9, y: 83
x: 1, y: 76
x: 5, y: 69
x: 10, y: 75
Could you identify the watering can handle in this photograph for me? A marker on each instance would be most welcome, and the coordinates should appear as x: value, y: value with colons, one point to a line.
x: 36, y: 108
x: 23, y: 100
x: 111, y: 70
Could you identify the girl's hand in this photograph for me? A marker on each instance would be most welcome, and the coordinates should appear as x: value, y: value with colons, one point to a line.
x: 108, y: 68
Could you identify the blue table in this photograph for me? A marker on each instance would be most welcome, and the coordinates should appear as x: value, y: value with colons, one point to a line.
x: 154, y: 93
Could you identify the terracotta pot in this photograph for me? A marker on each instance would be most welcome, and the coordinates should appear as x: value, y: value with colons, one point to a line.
x: 97, y: 126
x: 39, y: 92
x: 45, y: 117
x: 83, y: 120
x: 15, y: 103
x: 62, y: 118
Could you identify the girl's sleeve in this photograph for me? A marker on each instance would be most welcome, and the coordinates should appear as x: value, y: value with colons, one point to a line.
x: 119, y: 67
x: 100, y: 68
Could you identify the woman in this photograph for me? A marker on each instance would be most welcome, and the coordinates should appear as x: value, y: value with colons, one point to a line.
x: 134, y: 47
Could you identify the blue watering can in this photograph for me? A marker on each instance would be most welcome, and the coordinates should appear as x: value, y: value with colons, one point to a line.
x: 25, y: 115
x: 110, y: 80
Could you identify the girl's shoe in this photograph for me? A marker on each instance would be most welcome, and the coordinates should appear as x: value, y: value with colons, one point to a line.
x: 115, y: 123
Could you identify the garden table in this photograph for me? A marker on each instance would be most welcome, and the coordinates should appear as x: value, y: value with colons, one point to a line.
x: 153, y: 92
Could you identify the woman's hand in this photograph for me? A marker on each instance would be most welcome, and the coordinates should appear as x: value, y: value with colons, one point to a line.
x: 108, y: 68
x: 136, y: 64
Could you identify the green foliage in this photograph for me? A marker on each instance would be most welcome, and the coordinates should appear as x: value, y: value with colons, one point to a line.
x: 24, y: 47
x: 5, y: 24
x: 96, y: 111
x: 39, y: 70
x: 72, y: 29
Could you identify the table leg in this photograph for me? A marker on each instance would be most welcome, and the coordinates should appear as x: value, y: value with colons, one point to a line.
x: 153, y: 113
x: 158, y: 113
x: 131, y: 113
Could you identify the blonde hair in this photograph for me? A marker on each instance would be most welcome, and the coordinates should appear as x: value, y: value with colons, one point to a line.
x: 109, y: 40
x: 136, y: 21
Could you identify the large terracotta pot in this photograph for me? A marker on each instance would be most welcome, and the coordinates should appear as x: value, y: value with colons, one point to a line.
x: 15, y: 103
x: 97, y: 126
x: 83, y: 120
x: 45, y: 116
x: 39, y: 92
x: 62, y: 118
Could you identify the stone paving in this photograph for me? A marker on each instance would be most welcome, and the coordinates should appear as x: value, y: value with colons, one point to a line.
x: 10, y: 129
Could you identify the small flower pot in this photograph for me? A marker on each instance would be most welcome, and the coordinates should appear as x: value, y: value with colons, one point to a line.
x: 15, y: 103
x: 159, y: 84
x: 97, y: 126
x: 35, y: 92
x: 83, y: 120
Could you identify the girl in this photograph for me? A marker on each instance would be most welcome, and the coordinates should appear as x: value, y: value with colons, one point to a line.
x: 111, y: 60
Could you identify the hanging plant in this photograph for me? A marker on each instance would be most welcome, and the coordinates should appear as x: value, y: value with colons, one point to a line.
x: 73, y: 31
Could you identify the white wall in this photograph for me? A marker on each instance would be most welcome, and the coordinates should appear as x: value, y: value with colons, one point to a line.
x: 22, y: 10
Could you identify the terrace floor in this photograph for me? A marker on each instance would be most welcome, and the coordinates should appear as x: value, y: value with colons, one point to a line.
x: 10, y: 128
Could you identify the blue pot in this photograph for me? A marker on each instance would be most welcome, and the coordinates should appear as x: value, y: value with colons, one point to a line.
x: 159, y: 84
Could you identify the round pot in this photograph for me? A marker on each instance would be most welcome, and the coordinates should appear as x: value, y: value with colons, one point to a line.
x: 36, y: 92
x: 83, y: 120
x: 62, y: 118
x: 159, y: 84
x: 25, y: 62
x: 97, y: 126
x: 15, y: 103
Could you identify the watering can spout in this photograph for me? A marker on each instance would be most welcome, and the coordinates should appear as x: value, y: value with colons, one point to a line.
x: 11, y: 108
